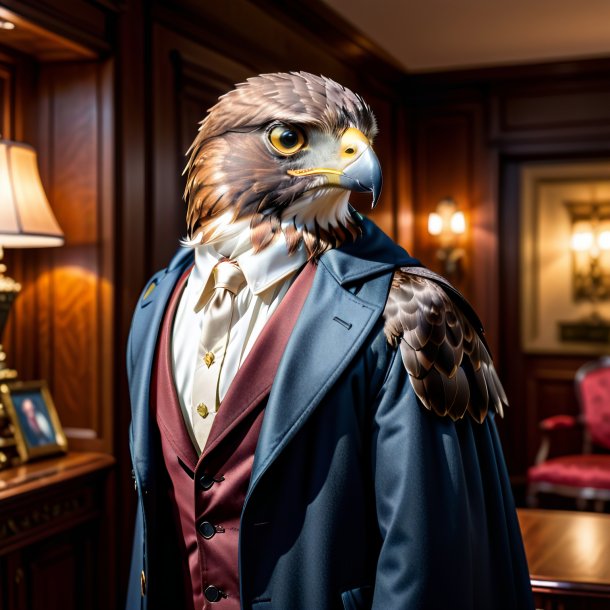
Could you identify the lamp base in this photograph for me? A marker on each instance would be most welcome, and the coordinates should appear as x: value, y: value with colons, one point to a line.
x: 9, y: 289
x: 6, y: 374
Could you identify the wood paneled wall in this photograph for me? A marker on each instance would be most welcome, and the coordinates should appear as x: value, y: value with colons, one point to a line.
x: 475, y: 130
x: 61, y: 326
x: 6, y: 86
x: 192, y: 67
x: 447, y: 163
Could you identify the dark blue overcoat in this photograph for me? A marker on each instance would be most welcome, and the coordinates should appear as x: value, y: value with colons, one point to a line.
x: 359, y: 496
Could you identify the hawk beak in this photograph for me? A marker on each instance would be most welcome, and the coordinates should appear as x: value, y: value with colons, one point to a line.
x: 357, y: 167
x: 364, y: 175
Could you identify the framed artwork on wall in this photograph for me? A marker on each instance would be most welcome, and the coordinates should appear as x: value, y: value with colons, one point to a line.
x: 565, y: 257
x: 37, y: 428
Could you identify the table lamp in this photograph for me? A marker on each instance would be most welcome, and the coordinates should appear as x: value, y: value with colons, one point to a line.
x: 26, y: 221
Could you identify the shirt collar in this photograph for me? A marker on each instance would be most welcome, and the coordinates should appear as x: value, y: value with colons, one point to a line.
x: 262, y: 269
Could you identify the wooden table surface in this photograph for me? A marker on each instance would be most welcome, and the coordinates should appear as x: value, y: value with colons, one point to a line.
x: 567, y: 549
x: 49, y: 471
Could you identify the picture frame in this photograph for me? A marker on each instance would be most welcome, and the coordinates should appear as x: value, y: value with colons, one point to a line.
x: 553, y: 320
x: 37, y: 428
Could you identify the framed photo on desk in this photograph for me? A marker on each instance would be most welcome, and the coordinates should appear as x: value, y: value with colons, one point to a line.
x: 38, y: 431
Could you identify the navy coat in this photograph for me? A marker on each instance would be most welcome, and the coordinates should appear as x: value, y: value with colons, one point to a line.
x: 359, y: 496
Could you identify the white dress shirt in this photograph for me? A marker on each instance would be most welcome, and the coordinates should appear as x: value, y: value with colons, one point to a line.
x: 268, y: 274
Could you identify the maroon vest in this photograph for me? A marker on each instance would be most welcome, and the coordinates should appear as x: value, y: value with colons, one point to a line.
x: 207, y: 493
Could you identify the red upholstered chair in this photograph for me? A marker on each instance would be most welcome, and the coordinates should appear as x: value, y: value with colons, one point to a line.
x: 583, y: 476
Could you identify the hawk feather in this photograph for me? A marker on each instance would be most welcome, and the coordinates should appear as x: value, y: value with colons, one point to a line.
x: 448, y: 362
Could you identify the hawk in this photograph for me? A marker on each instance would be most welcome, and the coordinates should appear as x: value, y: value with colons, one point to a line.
x: 281, y: 153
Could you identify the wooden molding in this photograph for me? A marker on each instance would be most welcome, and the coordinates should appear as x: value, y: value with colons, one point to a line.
x: 52, y: 32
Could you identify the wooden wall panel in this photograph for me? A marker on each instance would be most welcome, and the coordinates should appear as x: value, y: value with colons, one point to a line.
x: 6, y: 93
x: 404, y: 178
x: 385, y: 146
x: 444, y: 166
x: 563, y: 108
x: 187, y: 80
x: 451, y: 159
x: 63, y: 319
x: 473, y: 131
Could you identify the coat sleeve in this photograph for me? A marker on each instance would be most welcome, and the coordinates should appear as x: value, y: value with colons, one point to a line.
x: 449, y: 531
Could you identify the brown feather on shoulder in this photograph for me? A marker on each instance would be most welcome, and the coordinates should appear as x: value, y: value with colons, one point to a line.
x: 449, y: 366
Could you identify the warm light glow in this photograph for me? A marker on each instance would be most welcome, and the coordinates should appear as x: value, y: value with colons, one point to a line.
x: 603, y: 240
x: 435, y: 224
x: 6, y: 25
x: 458, y: 223
x: 26, y: 218
x: 582, y: 241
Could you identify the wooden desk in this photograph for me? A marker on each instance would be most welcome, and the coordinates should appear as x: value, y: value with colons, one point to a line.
x: 569, y: 558
x: 53, y: 534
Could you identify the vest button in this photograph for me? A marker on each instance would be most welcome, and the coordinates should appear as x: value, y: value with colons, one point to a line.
x: 206, y: 529
x: 206, y: 481
x: 213, y: 594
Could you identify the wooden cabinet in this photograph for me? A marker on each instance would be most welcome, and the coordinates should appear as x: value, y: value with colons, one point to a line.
x: 54, y: 542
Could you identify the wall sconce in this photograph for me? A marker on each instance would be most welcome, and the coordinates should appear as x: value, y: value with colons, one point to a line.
x: 448, y: 223
x: 590, y: 245
x: 26, y: 221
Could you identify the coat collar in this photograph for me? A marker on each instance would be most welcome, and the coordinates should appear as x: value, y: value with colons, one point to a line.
x: 372, y: 253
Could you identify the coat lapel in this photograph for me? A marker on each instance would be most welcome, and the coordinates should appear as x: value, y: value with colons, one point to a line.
x: 254, y: 379
x: 333, y: 326
x: 346, y: 300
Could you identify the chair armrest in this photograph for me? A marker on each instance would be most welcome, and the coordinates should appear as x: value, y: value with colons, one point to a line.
x: 558, y: 422
x: 550, y: 424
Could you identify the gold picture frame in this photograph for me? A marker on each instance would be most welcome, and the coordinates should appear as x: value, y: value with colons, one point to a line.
x: 552, y: 319
x: 37, y: 428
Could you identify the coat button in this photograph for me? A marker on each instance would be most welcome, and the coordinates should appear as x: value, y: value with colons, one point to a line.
x: 214, y: 594
x: 206, y: 481
x: 206, y: 529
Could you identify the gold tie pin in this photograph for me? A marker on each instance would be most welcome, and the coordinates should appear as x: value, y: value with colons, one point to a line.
x: 209, y: 359
x: 202, y: 410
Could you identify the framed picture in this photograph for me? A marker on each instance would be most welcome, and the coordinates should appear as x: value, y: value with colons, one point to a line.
x: 565, y: 285
x: 38, y: 431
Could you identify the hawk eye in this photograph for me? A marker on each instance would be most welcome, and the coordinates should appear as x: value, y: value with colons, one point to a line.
x: 286, y: 139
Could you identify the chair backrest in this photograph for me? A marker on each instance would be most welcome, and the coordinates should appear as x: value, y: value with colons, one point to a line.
x: 593, y: 391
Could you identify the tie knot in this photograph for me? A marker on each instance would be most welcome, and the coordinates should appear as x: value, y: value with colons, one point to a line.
x: 229, y: 276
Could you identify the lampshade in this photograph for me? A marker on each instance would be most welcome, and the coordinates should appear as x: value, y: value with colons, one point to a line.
x: 26, y: 219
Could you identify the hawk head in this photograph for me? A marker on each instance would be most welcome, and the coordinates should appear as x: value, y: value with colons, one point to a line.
x: 281, y: 152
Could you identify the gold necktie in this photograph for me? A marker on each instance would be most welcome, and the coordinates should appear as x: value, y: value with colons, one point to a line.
x: 226, y: 281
